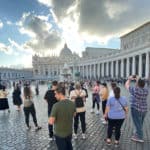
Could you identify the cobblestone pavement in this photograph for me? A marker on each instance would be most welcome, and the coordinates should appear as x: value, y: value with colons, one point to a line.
x: 14, y: 136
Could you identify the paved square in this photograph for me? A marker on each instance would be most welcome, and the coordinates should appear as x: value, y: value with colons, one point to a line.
x: 14, y: 136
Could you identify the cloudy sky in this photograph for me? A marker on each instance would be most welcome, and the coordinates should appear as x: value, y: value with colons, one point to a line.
x: 29, y: 27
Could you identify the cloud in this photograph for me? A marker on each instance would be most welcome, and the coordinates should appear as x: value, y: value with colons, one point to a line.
x: 112, y: 17
x: 46, y: 2
x: 21, y: 62
x: 19, y: 48
x: 1, y: 24
x: 100, y: 20
x: 43, y: 36
x: 24, y: 63
x: 6, y: 48
x: 13, y: 48
x: 9, y: 22
x: 60, y: 7
x: 3, y: 47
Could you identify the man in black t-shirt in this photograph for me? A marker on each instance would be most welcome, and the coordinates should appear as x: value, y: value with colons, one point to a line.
x: 71, y: 87
x: 51, y: 100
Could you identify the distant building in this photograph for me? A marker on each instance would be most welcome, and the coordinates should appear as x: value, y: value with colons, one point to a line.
x: 132, y: 58
x: 15, y: 74
x: 50, y: 67
x: 137, y: 38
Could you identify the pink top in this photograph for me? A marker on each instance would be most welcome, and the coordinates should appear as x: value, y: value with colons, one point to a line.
x: 96, y: 89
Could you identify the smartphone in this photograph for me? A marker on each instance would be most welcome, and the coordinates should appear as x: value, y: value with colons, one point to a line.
x: 133, y: 76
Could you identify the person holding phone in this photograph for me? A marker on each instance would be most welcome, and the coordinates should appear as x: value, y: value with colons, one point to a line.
x: 138, y: 105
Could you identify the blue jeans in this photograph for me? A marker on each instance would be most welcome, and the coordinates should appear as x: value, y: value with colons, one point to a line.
x: 64, y: 143
x: 138, y: 120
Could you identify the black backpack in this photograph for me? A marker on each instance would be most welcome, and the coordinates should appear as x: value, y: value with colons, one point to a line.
x: 79, y: 102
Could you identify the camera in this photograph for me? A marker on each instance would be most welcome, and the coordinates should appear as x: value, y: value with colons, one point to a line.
x: 133, y: 76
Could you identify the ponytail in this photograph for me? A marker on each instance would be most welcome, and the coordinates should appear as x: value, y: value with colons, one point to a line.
x: 117, y: 92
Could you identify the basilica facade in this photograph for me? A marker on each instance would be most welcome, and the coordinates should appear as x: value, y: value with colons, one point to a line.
x: 133, y: 57
x: 51, y: 67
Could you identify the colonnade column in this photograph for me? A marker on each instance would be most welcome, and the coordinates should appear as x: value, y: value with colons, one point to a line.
x: 57, y: 71
x: 79, y: 69
x: 140, y: 65
x: 98, y: 70
x: 51, y: 71
x: 112, y: 69
x: 117, y: 65
x: 122, y: 68
x: 147, y: 70
x: 107, y: 68
x: 73, y: 72
x: 87, y: 73
x: 102, y: 70
x: 90, y: 71
x: 94, y: 71
x: 133, y: 65
x: 127, y: 72
x: 83, y: 71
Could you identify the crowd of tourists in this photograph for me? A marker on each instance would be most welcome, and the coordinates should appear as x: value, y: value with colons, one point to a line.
x: 67, y: 109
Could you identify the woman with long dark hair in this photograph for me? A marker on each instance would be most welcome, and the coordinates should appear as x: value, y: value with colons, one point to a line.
x: 115, y: 112
x: 17, y: 97
x: 29, y: 107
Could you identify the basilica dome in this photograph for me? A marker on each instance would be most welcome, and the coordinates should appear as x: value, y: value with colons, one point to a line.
x: 65, y: 52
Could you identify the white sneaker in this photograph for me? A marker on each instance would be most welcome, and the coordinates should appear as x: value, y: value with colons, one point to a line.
x: 83, y: 136
x: 136, y: 139
x: 92, y: 110
x: 28, y: 128
x: 75, y: 136
x: 52, y: 139
x: 97, y: 113
x: 104, y: 122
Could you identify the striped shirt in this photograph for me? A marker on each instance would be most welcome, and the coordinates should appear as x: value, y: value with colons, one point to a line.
x: 139, y: 98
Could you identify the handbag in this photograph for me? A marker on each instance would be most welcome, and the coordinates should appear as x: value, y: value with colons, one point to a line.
x: 121, y: 105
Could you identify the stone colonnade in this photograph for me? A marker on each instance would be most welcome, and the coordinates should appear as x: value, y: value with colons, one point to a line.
x: 118, y: 66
